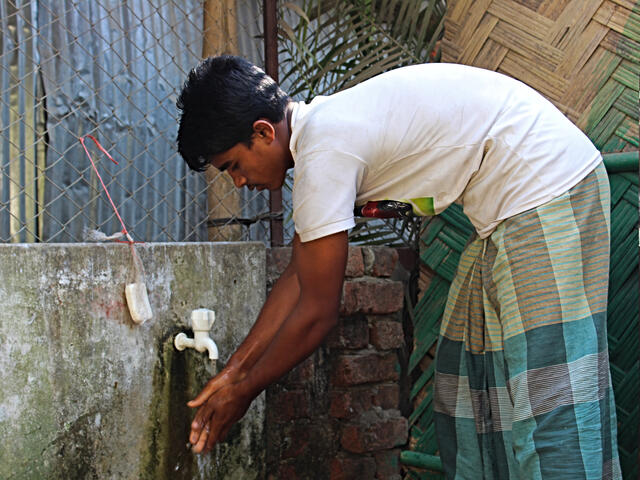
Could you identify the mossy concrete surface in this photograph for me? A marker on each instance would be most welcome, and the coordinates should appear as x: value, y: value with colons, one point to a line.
x: 86, y: 393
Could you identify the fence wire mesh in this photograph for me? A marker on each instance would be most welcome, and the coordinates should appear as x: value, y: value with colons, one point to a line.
x: 114, y: 70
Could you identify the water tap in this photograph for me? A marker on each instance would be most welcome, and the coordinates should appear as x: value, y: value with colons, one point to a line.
x: 201, y: 322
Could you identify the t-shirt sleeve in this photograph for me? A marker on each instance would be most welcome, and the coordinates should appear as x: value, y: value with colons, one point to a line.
x: 324, y: 193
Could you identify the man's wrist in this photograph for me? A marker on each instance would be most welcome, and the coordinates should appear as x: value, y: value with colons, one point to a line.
x: 231, y: 374
x: 247, y: 389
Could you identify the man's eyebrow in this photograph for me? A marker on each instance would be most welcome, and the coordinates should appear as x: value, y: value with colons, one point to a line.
x: 224, y: 166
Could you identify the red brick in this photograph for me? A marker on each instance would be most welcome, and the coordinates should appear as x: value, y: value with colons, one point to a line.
x: 355, y: 262
x: 388, y: 464
x: 354, y: 401
x: 408, y: 259
x: 371, y: 295
x: 288, y: 405
x: 350, y: 332
x: 386, y: 334
x: 388, y: 396
x: 288, y: 472
x: 302, y: 374
x: 343, y: 404
x: 277, y: 260
x: 296, y: 441
x: 350, y: 468
x: 364, y: 368
x: 379, y: 261
x: 375, y: 430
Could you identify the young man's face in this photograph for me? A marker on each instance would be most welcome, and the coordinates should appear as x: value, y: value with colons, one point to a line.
x: 261, y: 166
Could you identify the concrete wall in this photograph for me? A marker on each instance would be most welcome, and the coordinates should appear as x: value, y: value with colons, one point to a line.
x: 85, y: 393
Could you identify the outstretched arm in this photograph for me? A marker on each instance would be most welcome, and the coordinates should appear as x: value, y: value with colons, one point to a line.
x: 282, y: 298
x: 301, y: 310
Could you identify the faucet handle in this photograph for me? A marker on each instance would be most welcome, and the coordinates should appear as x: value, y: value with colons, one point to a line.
x: 202, y: 319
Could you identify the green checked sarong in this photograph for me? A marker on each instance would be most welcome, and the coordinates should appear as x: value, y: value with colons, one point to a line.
x: 522, y: 386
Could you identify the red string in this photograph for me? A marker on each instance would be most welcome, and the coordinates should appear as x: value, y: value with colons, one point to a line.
x: 124, y: 229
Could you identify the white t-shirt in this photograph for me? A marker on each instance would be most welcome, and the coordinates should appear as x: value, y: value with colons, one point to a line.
x: 431, y: 135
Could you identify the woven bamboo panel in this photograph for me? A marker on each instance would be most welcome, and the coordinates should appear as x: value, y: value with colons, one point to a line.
x: 442, y: 240
x: 583, y: 55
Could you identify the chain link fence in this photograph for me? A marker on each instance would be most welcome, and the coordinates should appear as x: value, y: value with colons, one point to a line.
x: 113, y: 70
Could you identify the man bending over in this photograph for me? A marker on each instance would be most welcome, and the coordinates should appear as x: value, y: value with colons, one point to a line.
x: 522, y: 386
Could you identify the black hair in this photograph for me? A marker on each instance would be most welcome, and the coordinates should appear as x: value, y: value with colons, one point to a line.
x: 221, y: 99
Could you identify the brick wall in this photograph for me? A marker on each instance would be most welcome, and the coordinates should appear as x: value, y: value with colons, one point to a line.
x: 337, y: 415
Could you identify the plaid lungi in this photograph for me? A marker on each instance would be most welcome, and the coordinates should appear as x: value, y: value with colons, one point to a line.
x: 522, y: 386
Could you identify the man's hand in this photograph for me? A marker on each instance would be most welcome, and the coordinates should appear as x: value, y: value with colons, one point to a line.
x: 227, y: 405
x: 300, y: 311
x: 229, y: 375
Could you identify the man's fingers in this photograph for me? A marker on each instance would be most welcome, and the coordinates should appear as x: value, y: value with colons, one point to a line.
x: 225, y: 377
x: 195, y: 433
x: 210, y: 442
x: 215, y: 417
x: 196, y: 402
x: 202, y: 440
x: 197, y: 427
x: 207, y: 391
x: 223, y: 434
x: 217, y: 434
x: 200, y: 421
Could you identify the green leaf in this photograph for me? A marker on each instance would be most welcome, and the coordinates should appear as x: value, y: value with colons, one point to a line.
x: 330, y: 45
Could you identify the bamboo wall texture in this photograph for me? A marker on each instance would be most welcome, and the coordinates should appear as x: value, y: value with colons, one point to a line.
x: 583, y: 55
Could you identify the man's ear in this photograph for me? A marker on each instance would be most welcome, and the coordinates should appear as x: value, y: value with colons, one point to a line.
x: 264, y: 129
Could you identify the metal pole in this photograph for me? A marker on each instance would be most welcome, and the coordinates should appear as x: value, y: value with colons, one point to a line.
x: 223, y: 198
x: 271, y: 67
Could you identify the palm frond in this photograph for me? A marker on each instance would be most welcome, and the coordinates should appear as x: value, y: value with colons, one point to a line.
x: 330, y: 45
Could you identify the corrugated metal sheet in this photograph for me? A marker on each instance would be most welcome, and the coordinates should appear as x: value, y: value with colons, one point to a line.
x: 111, y: 69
